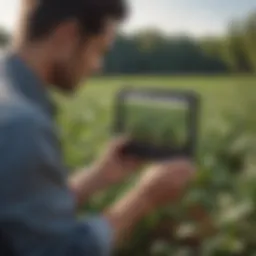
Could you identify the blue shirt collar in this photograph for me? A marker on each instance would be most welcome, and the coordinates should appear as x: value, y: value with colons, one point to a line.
x: 28, y: 83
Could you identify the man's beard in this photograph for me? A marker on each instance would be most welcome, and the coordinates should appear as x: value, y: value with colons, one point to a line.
x: 61, y: 79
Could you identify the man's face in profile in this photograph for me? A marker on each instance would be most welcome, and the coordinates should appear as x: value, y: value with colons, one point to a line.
x: 76, y: 57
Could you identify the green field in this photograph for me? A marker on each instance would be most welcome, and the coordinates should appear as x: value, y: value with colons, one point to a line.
x: 225, y: 153
x: 218, y: 93
x: 87, y: 117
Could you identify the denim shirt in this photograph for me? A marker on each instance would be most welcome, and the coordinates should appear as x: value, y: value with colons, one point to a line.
x: 37, y: 210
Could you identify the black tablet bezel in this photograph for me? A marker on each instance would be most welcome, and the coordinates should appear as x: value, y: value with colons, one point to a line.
x: 146, y: 151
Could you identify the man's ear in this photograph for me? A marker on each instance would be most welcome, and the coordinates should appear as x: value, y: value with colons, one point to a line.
x: 67, y: 34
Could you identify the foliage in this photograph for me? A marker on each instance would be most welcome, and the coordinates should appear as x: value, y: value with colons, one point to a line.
x: 225, y: 184
x: 151, y: 53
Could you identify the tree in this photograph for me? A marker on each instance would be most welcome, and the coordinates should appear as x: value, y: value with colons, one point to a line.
x: 4, y: 37
x: 234, y: 52
x: 250, y: 39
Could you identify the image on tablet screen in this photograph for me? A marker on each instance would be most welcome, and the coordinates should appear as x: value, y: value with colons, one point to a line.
x: 157, y: 122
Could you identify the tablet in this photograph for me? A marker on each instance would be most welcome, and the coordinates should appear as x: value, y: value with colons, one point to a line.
x: 161, y: 123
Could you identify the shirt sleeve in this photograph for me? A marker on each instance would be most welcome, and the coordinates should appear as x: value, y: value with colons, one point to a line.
x: 37, y: 211
x: 98, y: 241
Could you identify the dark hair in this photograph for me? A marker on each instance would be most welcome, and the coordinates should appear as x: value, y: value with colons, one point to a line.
x: 90, y: 15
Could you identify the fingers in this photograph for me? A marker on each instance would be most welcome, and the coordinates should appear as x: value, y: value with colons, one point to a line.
x: 183, y: 170
x: 120, y: 142
x: 181, y: 164
x: 177, y: 172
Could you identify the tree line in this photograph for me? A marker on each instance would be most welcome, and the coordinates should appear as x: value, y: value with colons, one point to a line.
x: 151, y: 51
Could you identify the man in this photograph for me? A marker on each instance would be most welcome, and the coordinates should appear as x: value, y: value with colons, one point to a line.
x: 60, y: 43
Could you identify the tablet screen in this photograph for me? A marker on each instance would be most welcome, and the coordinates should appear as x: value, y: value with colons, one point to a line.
x: 157, y: 121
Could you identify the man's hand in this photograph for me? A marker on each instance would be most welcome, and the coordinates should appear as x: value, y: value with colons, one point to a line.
x: 112, y: 168
x: 165, y: 182
x: 114, y: 165
x: 161, y: 185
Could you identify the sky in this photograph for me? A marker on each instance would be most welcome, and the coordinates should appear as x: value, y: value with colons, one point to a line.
x: 195, y: 17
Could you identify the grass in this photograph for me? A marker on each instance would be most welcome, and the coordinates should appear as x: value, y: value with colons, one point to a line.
x: 218, y: 93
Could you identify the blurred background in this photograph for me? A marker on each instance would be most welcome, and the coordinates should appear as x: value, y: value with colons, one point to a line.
x: 204, y: 45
